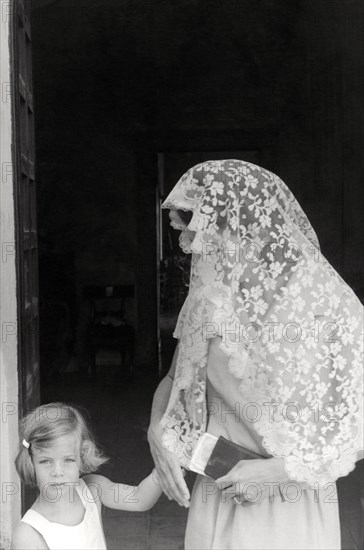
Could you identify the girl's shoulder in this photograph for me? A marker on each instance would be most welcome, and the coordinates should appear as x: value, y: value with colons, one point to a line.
x: 25, y: 537
x: 94, y: 484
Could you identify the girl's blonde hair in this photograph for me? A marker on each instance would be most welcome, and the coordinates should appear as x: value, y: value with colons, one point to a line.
x: 43, y: 426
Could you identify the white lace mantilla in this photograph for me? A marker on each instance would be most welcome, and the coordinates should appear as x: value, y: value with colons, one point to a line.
x: 292, y: 328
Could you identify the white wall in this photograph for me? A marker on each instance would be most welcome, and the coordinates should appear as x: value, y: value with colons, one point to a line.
x: 10, y: 487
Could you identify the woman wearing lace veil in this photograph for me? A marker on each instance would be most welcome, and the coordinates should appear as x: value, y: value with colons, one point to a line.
x: 269, y: 356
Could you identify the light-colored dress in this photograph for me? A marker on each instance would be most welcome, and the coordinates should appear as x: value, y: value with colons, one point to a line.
x: 87, y: 535
x: 307, y: 519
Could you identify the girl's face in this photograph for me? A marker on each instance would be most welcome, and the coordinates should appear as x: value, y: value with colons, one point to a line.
x: 57, y: 467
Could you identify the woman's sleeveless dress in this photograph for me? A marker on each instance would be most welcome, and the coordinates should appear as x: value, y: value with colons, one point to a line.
x: 87, y: 535
x: 306, y: 520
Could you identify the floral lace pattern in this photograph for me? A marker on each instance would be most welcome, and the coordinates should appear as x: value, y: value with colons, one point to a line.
x: 291, y: 327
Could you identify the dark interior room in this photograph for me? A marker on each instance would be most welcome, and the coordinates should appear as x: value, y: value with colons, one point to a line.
x: 128, y: 95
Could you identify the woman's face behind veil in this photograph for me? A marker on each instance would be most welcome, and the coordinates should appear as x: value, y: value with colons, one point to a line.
x: 185, y: 216
x: 180, y: 217
x: 179, y: 221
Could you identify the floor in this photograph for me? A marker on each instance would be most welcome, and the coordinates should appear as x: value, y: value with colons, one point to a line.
x: 119, y: 413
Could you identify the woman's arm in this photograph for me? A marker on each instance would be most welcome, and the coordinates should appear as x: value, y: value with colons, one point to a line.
x: 125, y: 497
x: 166, y: 463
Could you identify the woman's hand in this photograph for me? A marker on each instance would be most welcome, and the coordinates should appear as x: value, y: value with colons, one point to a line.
x: 253, y: 480
x: 168, y: 468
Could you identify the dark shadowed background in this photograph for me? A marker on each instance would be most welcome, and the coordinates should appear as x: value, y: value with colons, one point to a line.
x: 126, y: 93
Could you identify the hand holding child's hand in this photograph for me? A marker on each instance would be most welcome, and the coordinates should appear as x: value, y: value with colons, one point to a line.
x: 168, y: 468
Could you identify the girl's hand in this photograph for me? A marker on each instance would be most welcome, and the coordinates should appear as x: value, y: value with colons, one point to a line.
x: 253, y: 480
x: 168, y: 468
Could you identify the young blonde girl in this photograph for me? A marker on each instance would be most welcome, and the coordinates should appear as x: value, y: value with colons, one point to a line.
x: 56, y: 448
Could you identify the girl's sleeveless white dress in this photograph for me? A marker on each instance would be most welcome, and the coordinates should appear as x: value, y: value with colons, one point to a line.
x: 87, y: 535
x: 306, y: 520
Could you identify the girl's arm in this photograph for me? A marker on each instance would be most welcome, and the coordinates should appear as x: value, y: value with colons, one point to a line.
x: 27, y: 538
x: 125, y: 497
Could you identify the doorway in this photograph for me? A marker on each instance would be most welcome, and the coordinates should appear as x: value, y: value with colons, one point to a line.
x: 124, y: 66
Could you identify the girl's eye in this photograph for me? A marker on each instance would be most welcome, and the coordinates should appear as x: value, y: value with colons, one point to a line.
x: 70, y: 460
x: 45, y: 461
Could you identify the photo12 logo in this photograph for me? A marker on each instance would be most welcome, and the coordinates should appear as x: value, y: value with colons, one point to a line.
x: 270, y: 332
x: 249, y: 251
